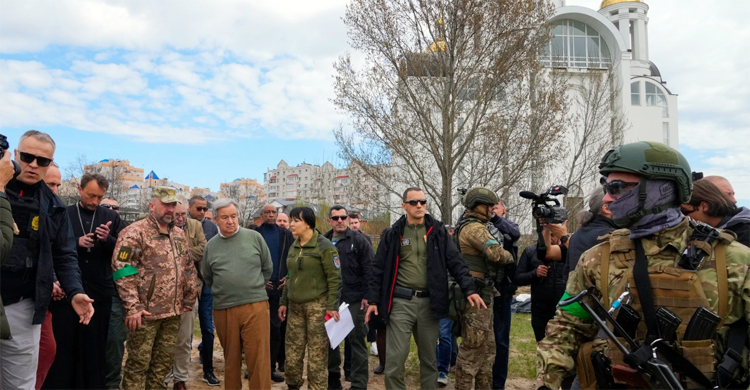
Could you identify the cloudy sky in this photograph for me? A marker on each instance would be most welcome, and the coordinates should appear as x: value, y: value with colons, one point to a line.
x: 207, y: 91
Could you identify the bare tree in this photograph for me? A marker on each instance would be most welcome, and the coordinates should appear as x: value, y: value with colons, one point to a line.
x: 597, y: 124
x: 113, y: 171
x: 447, y: 86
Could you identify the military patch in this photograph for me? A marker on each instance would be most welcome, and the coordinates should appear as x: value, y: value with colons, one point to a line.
x: 124, y: 254
x: 179, y: 245
x: 406, y: 242
x: 35, y: 223
x: 336, y: 262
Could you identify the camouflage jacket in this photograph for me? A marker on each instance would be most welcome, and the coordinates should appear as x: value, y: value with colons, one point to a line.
x: 567, y: 332
x: 475, y: 240
x: 153, y: 270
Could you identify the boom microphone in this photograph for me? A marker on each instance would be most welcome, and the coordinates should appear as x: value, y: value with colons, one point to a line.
x: 528, y: 195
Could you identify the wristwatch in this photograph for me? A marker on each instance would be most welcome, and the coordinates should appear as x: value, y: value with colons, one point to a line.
x: 564, y: 239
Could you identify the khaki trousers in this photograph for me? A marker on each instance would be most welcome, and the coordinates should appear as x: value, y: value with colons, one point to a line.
x: 246, y: 327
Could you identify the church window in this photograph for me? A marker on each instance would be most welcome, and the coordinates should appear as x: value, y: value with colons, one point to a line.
x: 665, y: 133
x: 656, y: 98
x: 635, y: 93
x: 576, y: 45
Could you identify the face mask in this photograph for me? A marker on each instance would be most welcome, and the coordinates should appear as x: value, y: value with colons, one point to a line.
x: 658, y: 193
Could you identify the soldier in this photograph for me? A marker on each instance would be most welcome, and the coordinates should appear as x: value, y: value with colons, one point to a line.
x: 481, y: 246
x: 645, y: 182
x: 310, y: 294
x: 157, y: 282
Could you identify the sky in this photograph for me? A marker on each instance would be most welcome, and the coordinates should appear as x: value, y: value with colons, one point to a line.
x: 204, y: 92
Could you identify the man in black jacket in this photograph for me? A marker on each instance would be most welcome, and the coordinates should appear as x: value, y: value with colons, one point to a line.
x: 595, y: 222
x: 45, y: 243
x: 506, y: 288
x: 356, y: 255
x: 279, y: 240
x: 80, y: 359
x: 409, y: 287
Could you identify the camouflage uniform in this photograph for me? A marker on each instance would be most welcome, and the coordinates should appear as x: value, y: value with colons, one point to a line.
x: 153, y: 272
x: 567, y: 332
x: 306, y: 327
x: 477, y: 351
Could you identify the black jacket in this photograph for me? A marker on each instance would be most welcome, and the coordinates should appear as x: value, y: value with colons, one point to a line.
x: 547, y: 291
x: 356, y: 254
x: 585, y: 238
x: 511, y: 233
x: 286, y: 239
x: 96, y: 265
x: 442, y: 255
x: 739, y: 223
x: 57, y: 251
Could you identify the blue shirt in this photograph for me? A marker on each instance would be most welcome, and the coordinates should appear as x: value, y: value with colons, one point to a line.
x: 209, y: 229
x: 271, y: 235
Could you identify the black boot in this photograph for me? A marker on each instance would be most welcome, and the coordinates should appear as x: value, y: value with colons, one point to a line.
x: 276, y: 377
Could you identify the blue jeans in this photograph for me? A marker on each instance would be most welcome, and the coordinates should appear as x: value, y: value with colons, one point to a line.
x: 206, y: 318
x: 501, y: 311
x: 444, y: 346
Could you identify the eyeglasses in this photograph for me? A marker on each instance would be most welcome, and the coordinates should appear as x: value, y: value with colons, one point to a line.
x: 28, y: 158
x: 337, y: 217
x: 616, y: 187
x: 414, y: 202
x: 180, y: 215
x: 109, y: 206
x: 202, y: 208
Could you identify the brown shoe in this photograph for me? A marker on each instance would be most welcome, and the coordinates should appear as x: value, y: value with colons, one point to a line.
x: 179, y: 386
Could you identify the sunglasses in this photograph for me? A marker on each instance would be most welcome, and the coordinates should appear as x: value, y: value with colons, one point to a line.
x: 109, y: 206
x: 617, y: 187
x: 202, y: 208
x: 342, y: 217
x: 28, y: 158
x: 414, y: 202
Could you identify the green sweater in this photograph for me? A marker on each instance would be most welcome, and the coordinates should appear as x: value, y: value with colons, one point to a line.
x: 236, y: 268
x: 313, y: 272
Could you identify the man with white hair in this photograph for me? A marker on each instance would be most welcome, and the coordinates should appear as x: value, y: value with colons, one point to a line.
x: 236, y: 267
x: 157, y: 282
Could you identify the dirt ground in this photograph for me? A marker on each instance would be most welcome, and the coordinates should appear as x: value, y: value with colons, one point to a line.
x: 376, y: 381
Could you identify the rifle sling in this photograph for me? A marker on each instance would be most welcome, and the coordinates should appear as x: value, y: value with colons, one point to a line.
x: 646, y: 296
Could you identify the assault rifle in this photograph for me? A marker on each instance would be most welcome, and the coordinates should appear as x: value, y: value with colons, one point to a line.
x: 646, y: 369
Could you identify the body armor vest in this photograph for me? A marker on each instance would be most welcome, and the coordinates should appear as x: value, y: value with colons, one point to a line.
x: 679, y: 290
x: 476, y: 263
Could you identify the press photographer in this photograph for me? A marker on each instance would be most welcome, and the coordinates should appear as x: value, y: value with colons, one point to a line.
x: 542, y: 264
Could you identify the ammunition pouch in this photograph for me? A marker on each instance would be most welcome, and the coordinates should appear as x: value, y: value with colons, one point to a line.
x: 584, y: 366
x: 701, y: 353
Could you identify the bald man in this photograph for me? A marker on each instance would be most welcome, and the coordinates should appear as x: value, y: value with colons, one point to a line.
x: 723, y: 184
x: 53, y: 178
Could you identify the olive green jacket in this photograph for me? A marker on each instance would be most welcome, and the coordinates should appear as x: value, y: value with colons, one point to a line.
x: 314, y: 270
x: 6, y: 226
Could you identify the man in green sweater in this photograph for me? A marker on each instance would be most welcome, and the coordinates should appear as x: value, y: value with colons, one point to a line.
x: 236, y: 266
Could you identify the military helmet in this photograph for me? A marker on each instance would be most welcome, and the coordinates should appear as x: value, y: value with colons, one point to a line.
x: 651, y: 160
x: 480, y: 195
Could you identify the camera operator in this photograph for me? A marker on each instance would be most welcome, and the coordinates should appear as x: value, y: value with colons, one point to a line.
x: 546, y: 276
x: 6, y: 226
x: 595, y: 222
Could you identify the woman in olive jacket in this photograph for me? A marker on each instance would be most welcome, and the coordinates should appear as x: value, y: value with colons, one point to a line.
x: 310, y: 297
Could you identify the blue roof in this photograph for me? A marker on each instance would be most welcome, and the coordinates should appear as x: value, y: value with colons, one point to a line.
x: 134, y: 186
x: 209, y: 197
x: 105, y: 160
x: 152, y: 175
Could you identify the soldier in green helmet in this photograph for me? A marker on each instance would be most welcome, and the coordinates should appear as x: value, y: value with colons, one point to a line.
x: 481, y: 246
x: 650, y: 260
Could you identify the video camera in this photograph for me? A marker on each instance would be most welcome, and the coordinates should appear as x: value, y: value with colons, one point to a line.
x: 542, y: 209
x: 5, y: 146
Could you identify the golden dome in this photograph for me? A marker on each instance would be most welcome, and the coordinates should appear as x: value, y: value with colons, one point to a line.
x: 437, y: 46
x: 607, y: 3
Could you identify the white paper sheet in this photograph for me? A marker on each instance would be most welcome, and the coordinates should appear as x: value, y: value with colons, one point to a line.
x: 337, y: 331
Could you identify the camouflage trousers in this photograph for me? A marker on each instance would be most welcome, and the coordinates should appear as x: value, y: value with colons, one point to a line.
x: 150, y: 354
x: 306, y: 328
x: 476, y: 355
